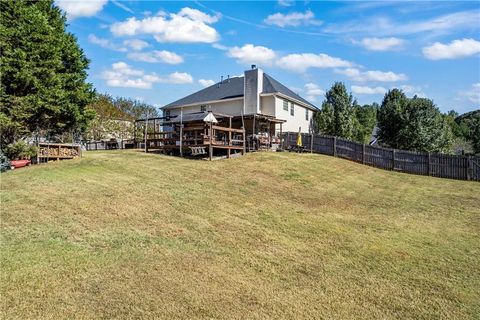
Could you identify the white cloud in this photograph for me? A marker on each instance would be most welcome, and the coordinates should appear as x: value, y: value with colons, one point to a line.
x: 125, y: 76
x: 464, y: 20
x: 286, y: 3
x: 293, y: 19
x: 313, y: 91
x: 186, y: 26
x: 382, y: 44
x: 375, y: 75
x: 206, y: 83
x: 473, y: 94
x: 368, y: 90
x: 301, y: 61
x: 122, y: 6
x: 85, y: 8
x: 136, y: 44
x: 455, y: 49
x: 105, y: 43
x: 178, y: 78
x: 156, y: 56
x: 413, y: 90
x: 252, y: 54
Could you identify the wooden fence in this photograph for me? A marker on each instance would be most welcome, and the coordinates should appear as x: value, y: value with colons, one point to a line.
x: 423, y: 163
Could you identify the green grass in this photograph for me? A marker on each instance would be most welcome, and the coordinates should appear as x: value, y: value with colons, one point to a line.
x: 269, y: 235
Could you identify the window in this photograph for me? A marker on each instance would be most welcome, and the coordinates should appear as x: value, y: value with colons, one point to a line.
x: 292, y: 110
x: 203, y: 108
x: 285, y: 105
x: 306, y: 114
x: 167, y: 113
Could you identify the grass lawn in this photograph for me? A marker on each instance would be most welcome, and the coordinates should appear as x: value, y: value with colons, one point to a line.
x: 123, y: 234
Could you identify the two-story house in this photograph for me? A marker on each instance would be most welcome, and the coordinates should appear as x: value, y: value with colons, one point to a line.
x: 257, y: 102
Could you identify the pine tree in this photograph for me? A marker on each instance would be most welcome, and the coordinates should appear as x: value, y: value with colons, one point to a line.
x: 43, y: 85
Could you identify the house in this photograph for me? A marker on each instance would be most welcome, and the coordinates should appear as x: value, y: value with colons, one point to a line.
x: 256, y: 102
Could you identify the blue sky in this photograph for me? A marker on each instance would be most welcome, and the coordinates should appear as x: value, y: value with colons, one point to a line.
x: 160, y: 51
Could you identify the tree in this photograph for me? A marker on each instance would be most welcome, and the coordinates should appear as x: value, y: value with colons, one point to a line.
x: 43, y: 85
x: 390, y: 115
x: 412, y: 124
x: 337, y: 115
x: 114, y: 116
x: 366, y: 119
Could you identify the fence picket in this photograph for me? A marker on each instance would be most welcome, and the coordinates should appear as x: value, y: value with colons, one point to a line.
x: 422, y: 163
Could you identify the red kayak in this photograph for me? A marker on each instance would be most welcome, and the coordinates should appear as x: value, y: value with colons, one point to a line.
x: 20, y: 163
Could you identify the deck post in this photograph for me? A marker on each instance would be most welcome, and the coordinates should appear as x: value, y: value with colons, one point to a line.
x: 229, y: 137
x: 181, y: 132
x: 281, y: 136
x: 210, y: 147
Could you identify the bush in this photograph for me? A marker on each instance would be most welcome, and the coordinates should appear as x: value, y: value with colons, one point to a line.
x: 20, y: 150
x: 4, y: 162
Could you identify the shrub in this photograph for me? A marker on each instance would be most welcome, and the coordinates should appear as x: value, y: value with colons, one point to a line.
x: 20, y: 150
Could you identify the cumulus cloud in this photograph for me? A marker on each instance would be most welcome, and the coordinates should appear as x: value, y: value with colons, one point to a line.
x: 85, y: 8
x: 374, y: 75
x: 206, y: 83
x: 302, y: 61
x: 453, y: 50
x: 186, y: 26
x: 125, y: 76
x: 105, y: 43
x: 136, y: 44
x: 252, y: 54
x: 313, y: 91
x: 473, y: 94
x: 293, y: 19
x: 368, y: 90
x: 413, y: 90
x: 382, y: 44
x: 156, y: 56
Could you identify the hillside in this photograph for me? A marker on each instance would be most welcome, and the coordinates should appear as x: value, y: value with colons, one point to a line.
x: 269, y: 235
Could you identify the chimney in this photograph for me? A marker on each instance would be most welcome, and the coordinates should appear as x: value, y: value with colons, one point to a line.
x: 253, y: 86
x: 228, y: 78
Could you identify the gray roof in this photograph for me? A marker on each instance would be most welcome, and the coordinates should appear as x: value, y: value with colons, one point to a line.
x: 233, y: 88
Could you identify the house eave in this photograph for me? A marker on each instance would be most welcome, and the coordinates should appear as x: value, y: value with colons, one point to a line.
x: 281, y: 95
x: 201, y: 102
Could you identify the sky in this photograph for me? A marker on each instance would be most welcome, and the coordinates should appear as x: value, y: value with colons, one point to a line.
x: 159, y: 51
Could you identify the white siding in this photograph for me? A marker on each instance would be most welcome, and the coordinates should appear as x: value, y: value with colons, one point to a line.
x: 267, y: 105
x: 232, y: 107
x: 295, y: 121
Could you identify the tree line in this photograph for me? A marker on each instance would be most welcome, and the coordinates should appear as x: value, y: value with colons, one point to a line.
x: 44, y: 91
x: 402, y: 123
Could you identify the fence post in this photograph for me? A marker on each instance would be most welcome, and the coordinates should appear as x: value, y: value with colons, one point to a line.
x: 393, y: 159
x: 429, y: 164
x: 469, y: 166
x: 334, y: 146
x: 311, y: 142
x: 363, y: 153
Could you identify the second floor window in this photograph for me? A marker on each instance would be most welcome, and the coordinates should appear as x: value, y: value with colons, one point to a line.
x: 285, y: 105
x: 306, y: 114
x: 203, y: 108
x: 292, y: 110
